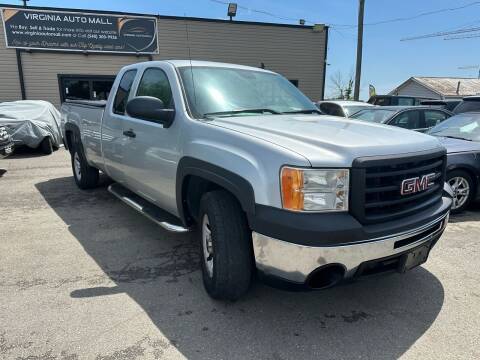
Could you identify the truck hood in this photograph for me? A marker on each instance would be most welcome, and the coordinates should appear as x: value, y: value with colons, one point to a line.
x: 330, y: 141
x: 459, y: 145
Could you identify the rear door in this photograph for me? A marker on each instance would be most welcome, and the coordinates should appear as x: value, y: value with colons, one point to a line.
x: 151, y: 156
x: 409, y: 119
x: 113, y: 139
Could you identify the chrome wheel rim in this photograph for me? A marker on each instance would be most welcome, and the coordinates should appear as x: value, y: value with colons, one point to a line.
x: 77, y: 166
x: 207, y: 245
x: 461, y: 191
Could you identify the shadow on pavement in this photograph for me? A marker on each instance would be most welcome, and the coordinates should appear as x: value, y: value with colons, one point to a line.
x: 471, y: 214
x: 379, y: 318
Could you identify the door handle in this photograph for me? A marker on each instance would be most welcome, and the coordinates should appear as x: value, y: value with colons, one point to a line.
x: 129, y: 133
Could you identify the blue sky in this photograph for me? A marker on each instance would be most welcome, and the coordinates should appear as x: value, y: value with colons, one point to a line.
x: 387, y: 61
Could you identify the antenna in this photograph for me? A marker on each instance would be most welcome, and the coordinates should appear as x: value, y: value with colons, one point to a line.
x: 190, y: 59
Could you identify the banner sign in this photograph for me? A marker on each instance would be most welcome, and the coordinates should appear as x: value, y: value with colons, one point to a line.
x: 74, y: 31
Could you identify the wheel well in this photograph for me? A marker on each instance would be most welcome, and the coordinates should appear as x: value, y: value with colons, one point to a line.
x: 193, y: 188
x: 69, y: 139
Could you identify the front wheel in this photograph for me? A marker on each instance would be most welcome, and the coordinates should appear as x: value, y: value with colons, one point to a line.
x: 226, y: 246
x: 463, y: 189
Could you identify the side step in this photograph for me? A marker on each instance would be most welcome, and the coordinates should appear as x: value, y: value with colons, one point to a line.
x: 146, y: 208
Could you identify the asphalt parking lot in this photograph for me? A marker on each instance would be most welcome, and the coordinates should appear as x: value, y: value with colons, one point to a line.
x: 83, y: 276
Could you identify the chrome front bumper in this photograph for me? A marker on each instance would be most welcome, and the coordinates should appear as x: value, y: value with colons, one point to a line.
x: 295, y: 262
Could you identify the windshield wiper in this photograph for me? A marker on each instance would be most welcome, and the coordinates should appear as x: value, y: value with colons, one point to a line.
x: 307, y: 111
x: 455, y: 137
x: 242, y: 111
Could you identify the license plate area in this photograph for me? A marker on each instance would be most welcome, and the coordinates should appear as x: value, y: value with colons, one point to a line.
x: 414, y: 258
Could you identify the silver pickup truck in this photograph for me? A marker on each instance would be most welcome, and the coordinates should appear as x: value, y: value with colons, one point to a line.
x: 275, y: 189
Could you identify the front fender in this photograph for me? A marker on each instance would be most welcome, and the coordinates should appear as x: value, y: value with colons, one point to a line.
x: 237, y: 185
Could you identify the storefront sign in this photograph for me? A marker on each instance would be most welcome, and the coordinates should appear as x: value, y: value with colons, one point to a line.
x: 73, y: 31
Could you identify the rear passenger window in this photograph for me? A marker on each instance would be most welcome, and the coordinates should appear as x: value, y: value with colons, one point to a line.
x: 155, y: 83
x: 121, y: 97
x: 407, y: 120
x: 433, y: 118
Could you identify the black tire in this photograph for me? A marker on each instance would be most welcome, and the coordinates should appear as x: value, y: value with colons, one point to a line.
x: 231, y: 241
x: 86, y: 176
x: 461, y: 174
x: 46, y: 146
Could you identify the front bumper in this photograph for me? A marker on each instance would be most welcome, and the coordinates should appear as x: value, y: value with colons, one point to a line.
x: 294, y: 262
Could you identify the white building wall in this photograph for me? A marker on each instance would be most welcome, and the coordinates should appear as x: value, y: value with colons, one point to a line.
x: 412, y: 88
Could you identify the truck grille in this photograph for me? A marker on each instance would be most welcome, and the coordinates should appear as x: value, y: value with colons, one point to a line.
x: 376, y: 186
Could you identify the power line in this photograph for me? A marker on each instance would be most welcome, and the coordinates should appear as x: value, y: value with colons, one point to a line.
x: 442, y: 33
x: 263, y: 12
x: 347, y: 26
x: 462, y: 37
x: 399, y: 19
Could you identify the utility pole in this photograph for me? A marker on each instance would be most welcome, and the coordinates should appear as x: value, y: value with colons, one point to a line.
x: 358, y: 70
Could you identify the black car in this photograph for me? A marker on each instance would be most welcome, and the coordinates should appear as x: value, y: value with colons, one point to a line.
x: 395, y: 100
x: 468, y: 104
x: 419, y: 118
x: 461, y: 136
x: 448, y: 104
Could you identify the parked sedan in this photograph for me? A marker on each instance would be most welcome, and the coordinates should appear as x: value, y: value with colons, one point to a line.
x: 343, y: 108
x: 460, y: 134
x: 419, y: 118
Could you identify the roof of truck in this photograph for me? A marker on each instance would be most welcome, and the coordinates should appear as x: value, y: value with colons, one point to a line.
x: 195, y: 63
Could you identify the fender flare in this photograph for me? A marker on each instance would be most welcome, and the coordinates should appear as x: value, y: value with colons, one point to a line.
x: 73, y: 128
x: 234, y: 183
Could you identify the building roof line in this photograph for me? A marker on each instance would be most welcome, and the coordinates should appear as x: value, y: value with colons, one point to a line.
x: 171, y: 17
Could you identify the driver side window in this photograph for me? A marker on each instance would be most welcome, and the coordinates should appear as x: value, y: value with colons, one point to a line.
x: 155, y: 83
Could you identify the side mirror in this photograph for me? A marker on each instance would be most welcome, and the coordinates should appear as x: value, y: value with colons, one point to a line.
x: 151, y: 109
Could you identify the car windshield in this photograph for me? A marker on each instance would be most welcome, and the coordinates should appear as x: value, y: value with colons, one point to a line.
x: 463, y: 126
x: 229, y: 91
x: 352, y: 109
x: 374, y: 115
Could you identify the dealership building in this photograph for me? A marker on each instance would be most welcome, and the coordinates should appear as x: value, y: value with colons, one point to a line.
x: 57, y: 54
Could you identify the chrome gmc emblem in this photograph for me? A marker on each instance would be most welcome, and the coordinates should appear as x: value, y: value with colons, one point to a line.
x: 417, y: 184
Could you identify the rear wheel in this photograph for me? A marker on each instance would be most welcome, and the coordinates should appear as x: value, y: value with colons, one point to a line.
x: 46, y: 146
x: 226, y: 246
x: 86, y: 176
x: 463, y: 189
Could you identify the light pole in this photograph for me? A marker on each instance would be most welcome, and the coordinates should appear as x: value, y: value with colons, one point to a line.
x: 358, y: 70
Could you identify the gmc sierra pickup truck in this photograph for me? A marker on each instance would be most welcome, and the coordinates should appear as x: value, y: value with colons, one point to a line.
x: 274, y: 188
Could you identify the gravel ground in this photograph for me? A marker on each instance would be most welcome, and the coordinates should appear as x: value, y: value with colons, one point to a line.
x: 82, y: 276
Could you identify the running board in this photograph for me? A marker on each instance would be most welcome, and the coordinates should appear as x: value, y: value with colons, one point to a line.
x: 146, y: 208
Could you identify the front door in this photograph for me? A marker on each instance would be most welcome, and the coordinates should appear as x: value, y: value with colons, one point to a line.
x: 151, y: 156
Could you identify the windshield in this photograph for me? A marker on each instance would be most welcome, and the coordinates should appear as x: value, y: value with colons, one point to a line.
x: 462, y: 126
x: 374, y: 115
x: 229, y: 91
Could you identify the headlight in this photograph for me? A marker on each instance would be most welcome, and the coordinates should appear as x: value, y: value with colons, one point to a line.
x: 315, y: 189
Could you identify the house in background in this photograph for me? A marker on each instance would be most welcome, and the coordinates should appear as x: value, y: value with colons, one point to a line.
x: 438, y: 87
